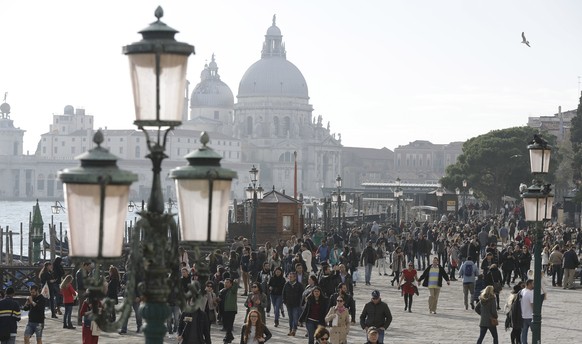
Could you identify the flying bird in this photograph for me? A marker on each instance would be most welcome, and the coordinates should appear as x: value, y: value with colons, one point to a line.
x: 524, y: 40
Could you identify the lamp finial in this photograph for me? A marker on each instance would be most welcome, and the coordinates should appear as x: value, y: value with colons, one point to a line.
x: 159, y: 12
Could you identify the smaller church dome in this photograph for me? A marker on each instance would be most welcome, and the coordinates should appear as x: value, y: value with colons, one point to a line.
x: 69, y: 110
x: 273, y: 31
x: 211, y: 91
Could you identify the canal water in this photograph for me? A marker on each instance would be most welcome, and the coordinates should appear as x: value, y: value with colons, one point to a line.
x: 12, y: 214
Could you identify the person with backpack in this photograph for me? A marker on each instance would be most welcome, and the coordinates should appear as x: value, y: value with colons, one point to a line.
x: 468, y: 272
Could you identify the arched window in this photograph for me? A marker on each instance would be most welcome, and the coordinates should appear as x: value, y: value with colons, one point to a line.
x: 137, y: 152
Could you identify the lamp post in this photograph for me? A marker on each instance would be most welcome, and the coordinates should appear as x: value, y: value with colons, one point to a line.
x: 315, y: 213
x: 537, y: 201
x: 254, y: 194
x: 57, y: 207
x: 338, y: 197
x: 463, y: 193
x: 439, y: 194
x: 398, y: 195
x: 96, y: 193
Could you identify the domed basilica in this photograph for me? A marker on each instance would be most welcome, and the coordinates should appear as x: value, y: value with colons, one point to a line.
x: 272, y: 118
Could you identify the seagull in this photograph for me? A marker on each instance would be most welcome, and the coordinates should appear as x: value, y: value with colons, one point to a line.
x: 525, y: 41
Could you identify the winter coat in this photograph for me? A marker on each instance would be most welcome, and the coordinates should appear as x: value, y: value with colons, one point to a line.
x: 339, y: 333
x: 487, y: 309
x: 292, y: 294
x: 377, y: 315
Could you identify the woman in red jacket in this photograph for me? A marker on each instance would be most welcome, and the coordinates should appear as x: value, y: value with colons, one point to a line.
x: 69, y: 293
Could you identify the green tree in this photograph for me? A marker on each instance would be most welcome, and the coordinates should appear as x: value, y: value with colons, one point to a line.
x: 576, y: 140
x: 494, y: 164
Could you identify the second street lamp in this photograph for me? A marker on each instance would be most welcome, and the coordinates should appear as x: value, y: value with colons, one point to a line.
x: 338, y: 197
x: 537, y: 204
x: 439, y: 194
x: 398, y: 195
x: 254, y: 193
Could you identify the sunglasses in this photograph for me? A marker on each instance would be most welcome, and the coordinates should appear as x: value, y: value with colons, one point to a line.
x: 324, y: 339
x: 254, y: 286
x: 340, y: 300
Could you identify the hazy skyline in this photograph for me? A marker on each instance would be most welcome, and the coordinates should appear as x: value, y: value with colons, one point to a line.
x: 384, y: 73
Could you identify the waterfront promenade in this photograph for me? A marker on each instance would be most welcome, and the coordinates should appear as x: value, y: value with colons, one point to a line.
x: 451, y: 324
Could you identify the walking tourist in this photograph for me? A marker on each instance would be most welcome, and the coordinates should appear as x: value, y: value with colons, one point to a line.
x: 46, y: 278
x: 254, y: 330
x: 487, y: 308
x: 373, y: 336
x: 9, y: 317
x: 34, y: 305
x: 397, y: 264
x: 194, y: 328
x: 228, y: 298
x: 69, y: 294
x: 314, y: 312
x: 432, y: 278
x: 339, y: 318
x: 292, y: 292
x: 527, y: 298
x: 322, y: 335
x: 408, y: 287
x: 376, y: 314
x: 276, y: 284
x: 468, y: 272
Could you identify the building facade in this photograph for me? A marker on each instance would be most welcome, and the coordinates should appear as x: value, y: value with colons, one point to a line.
x: 271, y: 125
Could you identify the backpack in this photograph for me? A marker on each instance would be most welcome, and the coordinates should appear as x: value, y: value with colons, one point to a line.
x: 469, y: 270
x: 515, y: 311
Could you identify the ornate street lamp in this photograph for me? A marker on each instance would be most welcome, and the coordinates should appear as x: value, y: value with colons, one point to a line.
x: 537, y: 201
x: 254, y: 193
x: 57, y: 207
x: 131, y: 206
x: 97, y: 191
x: 338, y: 197
x: 439, y: 194
x: 398, y: 193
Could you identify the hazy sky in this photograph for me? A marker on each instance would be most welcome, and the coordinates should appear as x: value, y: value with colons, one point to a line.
x: 384, y: 73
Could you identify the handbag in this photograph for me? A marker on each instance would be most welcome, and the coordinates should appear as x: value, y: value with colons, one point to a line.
x: 45, y: 291
x: 494, y: 321
x: 95, y: 330
x: 497, y: 287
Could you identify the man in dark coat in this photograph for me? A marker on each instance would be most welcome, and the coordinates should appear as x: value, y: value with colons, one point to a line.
x: 328, y: 280
x: 292, y: 293
x: 571, y: 262
x: 10, y: 316
x: 376, y: 313
x: 194, y: 328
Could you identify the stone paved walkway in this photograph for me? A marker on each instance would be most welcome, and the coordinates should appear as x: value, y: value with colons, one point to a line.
x: 452, y: 324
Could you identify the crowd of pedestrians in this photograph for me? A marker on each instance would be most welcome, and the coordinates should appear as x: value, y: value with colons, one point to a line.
x: 311, y: 281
